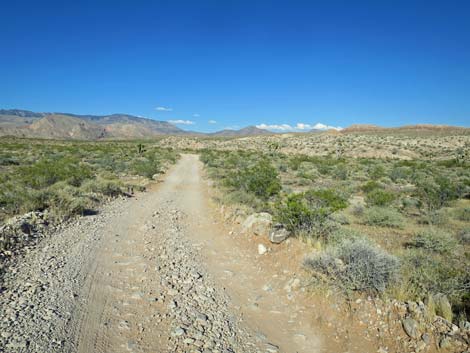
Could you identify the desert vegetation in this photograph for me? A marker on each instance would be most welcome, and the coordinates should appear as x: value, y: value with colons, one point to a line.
x: 68, y: 178
x: 389, y: 227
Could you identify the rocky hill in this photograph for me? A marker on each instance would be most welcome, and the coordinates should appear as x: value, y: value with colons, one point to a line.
x: 418, y: 128
x: 23, y: 123
x: 246, y: 131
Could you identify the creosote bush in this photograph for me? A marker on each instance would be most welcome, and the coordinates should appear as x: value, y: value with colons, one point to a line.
x: 260, y: 179
x: 426, y: 272
x: 383, y: 217
x: 355, y: 265
x: 434, y: 240
x: 379, y: 197
x: 308, y: 213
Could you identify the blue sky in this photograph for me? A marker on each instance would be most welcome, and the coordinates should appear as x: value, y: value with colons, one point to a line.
x: 228, y: 63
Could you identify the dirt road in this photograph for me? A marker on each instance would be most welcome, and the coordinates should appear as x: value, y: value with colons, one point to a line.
x: 155, y: 273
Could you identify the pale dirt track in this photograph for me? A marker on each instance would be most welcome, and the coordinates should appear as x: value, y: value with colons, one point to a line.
x: 156, y: 273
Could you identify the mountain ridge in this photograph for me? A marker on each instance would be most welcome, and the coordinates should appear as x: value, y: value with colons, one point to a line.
x: 48, y: 125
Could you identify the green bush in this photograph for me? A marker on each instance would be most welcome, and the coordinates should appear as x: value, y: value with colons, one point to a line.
x: 376, y: 172
x: 36, y: 175
x: 260, y: 179
x: 64, y: 201
x: 435, y: 191
x: 462, y: 214
x: 356, y: 265
x: 105, y: 187
x: 146, y: 167
x: 465, y: 236
x: 424, y: 272
x: 399, y: 173
x: 370, y: 186
x: 342, y: 234
x: 434, y: 240
x: 379, y: 197
x: 308, y: 213
x: 383, y: 217
x: 47, y: 172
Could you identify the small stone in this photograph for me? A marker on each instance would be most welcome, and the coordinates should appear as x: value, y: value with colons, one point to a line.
x: 411, y: 327
x: 271, y: 348
x: 278, y: 234
x: 267, y: 288
x: 178, y: 332
x: 262, y: 249
x: 445, y: 343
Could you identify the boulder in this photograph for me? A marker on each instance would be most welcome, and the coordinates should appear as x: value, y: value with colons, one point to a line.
x: 258, y: 224
x: 278, y: 234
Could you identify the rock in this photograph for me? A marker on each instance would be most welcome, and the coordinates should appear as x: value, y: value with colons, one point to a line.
x: 178, y: 331
x: 443, y: 307
x: 464, y: 325
x: 445, y: 343
x: 411, y: 327
x: 426, y: 338
x: 271, y: 348
x: 262, y: 249
x: 278, y: 234
x: 258, y: 224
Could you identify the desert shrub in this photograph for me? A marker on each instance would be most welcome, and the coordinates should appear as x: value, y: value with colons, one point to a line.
x: 342, y: 234
x: 64, y: 201
x: 399, y: 173
x: 341, y: 172
x: 434, y: 240
x: 424, y: 272
x: 435, y: 191
x: 462, y: 214
x: 370, y: 186
x: 376, y: 172
x: 340, y: 218
x: 34, y: 171
x: 260, y: 179
x: 308, y: 212
x: 147, y: 167
x: 464, y: 236
x: 47, y: 172
x: 379, y: 197
x: 383, y: 217
x: 358, y: 210
x: 356, y: 265
x: 107, y: 187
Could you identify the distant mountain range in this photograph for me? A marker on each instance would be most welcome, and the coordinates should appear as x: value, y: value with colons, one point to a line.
x: 24, y: 123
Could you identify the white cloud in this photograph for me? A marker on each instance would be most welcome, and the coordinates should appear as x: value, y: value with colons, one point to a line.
x: 282, y: 127
x: 212, y: 122
x: 297, y: 127
x: 320, y: 126
x: 182, y: 122
x: 196, y: 115
x: 163, y: 109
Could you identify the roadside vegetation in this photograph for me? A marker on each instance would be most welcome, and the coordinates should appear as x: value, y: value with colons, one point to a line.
x: 382, y: 227
x: 69, y: 178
